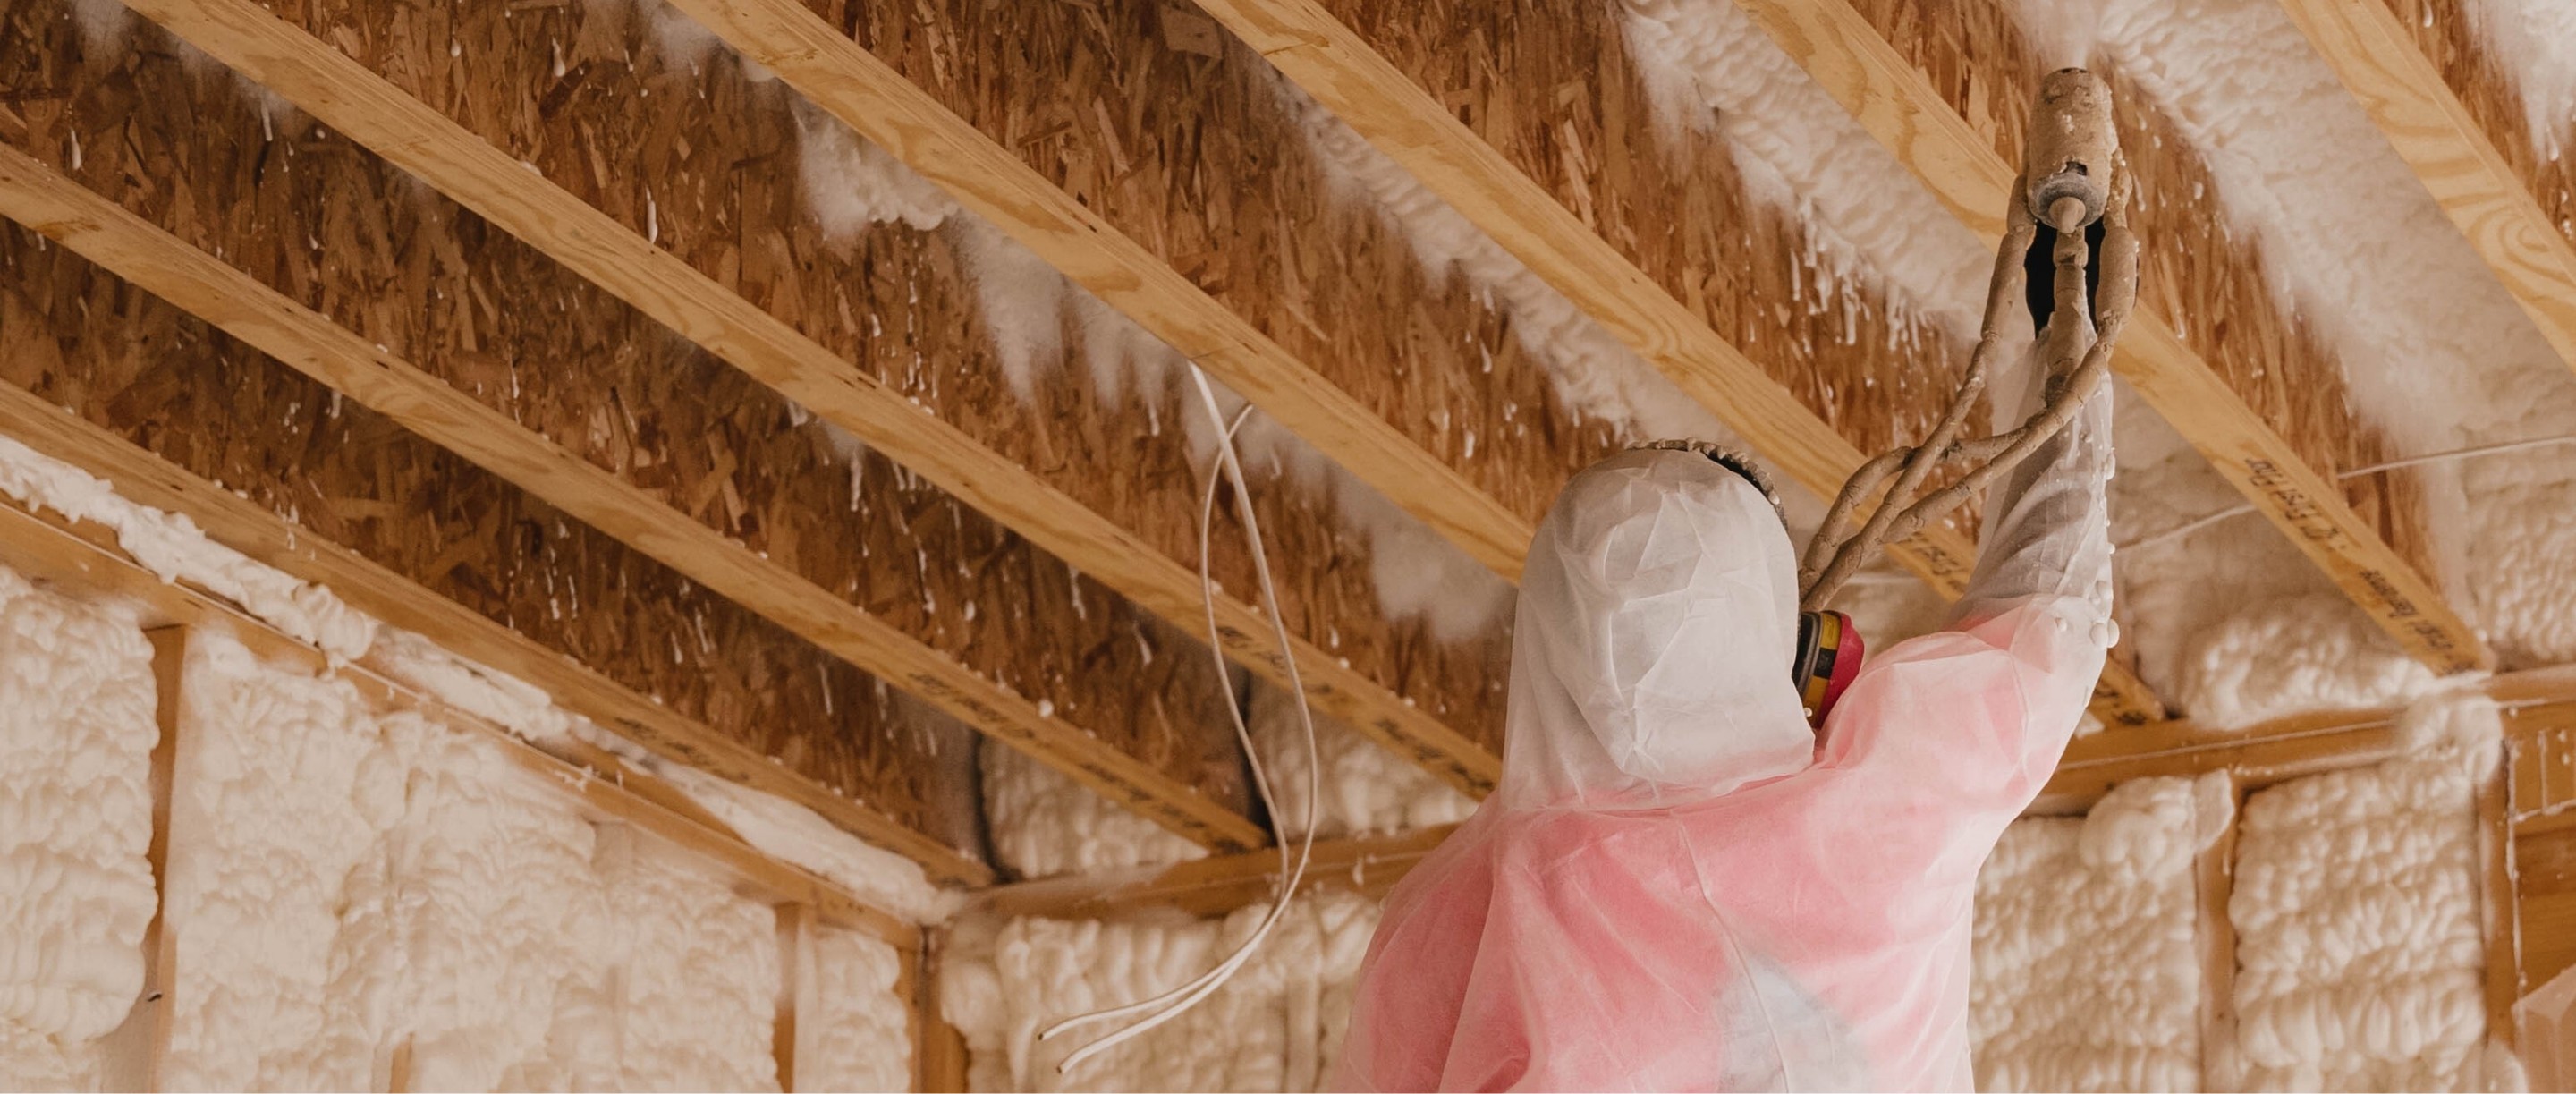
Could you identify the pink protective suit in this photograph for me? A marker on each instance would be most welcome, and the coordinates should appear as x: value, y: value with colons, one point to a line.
x: 1678, y: 885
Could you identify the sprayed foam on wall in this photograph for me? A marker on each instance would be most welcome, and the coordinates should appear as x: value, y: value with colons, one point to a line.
x: 701, y: 978
x: 1276, y: 1026
x: 1367, y: 789
x: 2360, y: 959
x: 501, y: 924
x: 278, y: 803
x: 1043, y: 823
x: 76, y: 737
x: 171, y: 546
x: 2087, y: 965
x: 860, y: 1030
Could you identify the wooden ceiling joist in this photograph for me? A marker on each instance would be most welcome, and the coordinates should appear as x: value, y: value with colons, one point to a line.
x: 1406, y: 122
x: 2403, y: 92
x: 1892, y: 100
x: 244, y: 526
x: 412, y: 136
x: 877, y: 102
x: 167, y: 267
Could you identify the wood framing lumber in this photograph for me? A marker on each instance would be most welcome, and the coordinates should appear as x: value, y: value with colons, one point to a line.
x: 2500, y: 924
x: 344, y: 95
x: 2282, y: 748
x: 160, y: 941
x: 84, y: 559
x: 869, y: 96
x: 1402, y: 119
x: 244, y: 526
x: 2215, y: 884
x: 1899, y: 107
x: 2398, y: 86
x: 796, y: 984
x: 312, y: 344
x: 1216, y: 885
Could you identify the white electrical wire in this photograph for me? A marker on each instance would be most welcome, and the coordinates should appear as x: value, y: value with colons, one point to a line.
x: 1187, y: 995
x: 2234, y: 511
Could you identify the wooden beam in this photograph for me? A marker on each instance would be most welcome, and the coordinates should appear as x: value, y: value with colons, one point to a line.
x: 938, y: 1050
x: 2403, y: 92
x: 412, y: 136
x: 992, y: 182
x: 1898, y: 106
x: 2286, y: 747
x: 796, y: 982
x: 2499, y: 923
x: 160, y: 942
x: 1216, y: 885
x: 310, y: 343
x: 264, y: 537
x: 84, y: 557
x: 2215, y: 883
x: 1404, y: 121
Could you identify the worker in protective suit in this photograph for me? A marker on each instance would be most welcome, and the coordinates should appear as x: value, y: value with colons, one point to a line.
x: 1679, y: 884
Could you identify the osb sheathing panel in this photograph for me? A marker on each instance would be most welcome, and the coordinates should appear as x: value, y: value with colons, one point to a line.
x: 2193, y: 268
x: 123, y: 359
x: 2487, y: 89
x: 1550, y: 84
x: 1192, y: 152
x: 330, y: 225
x: 705, y: 160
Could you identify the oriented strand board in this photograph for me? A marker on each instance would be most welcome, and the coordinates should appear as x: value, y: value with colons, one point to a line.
x: 692, y: 152
x: 123, y: 360
x: 342, y: 232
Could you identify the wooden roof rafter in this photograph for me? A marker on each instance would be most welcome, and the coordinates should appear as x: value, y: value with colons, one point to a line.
x: 205, y: 286
x: 2379, y: 62
x: 1897, y: 105
x: 244, y: 526
x: 1403, y: 120
x: 416, y: 138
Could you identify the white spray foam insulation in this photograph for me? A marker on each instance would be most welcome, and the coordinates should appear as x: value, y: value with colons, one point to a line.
x: 1709, y: 69
x: 1595, y: 374
x: 502, y: 926
x: 281, y: 796
x: 770, y: 824
x: 2087, y: 966
x: 1043, y: 823
x: 2536, y: 42
x: 1367, y: 789
x: 2435, y: 354
x: 2360, y: 962
x: 1277, y: 1025
x: 171, y: 546
x: 76, y: 738
x: 856, y: 1033
x: 701, y: 978
x: 2306, y: 652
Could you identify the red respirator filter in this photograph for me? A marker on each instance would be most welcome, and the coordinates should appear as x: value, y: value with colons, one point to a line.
x: 1829, y: 654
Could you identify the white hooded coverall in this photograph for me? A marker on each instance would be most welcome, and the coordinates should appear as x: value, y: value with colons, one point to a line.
x: 1679, y: 885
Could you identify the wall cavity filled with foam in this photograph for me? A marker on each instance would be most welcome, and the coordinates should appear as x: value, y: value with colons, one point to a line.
x: 2360, y: 959
x: 1276, y: 1026
x: 2087, y: 972
x: 76, y: 738
x: 1366, y: 789
x: 346, y: 883
x: 860, y: 1031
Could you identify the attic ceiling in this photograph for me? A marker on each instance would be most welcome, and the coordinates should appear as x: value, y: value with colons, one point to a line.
x: 803, y: 385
